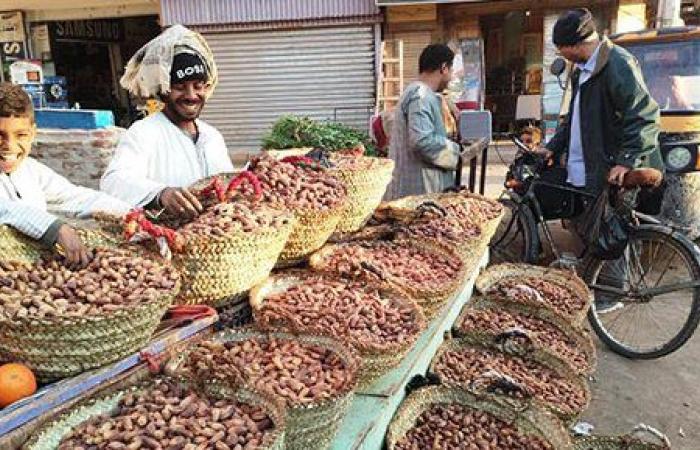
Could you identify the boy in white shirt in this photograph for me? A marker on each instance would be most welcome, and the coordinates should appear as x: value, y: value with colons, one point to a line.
x: 27, y: 187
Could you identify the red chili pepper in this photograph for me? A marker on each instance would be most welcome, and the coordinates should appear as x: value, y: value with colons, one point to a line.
x: 248, y: 176
x: 154, y: 362
x: 135, y: 220
x: 297, y: 160
x: 217, y: 187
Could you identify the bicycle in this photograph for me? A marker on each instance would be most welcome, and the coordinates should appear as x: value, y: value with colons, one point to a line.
x: 633, y: 312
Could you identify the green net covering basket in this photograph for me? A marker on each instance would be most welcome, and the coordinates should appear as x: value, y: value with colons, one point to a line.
x: 526, y: 418
x: 308, y: 425
x: 569, y: 383
x: 377, y: 357
x: 49, y: 436
x: 531, y: 327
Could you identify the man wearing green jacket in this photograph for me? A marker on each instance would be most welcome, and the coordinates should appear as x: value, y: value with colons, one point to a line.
x: 613, y: 123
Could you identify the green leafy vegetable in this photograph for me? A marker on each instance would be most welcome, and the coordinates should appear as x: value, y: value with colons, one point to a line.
x: 292, y: 132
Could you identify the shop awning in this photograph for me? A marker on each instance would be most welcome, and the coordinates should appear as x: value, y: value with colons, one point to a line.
x: 41, y: 10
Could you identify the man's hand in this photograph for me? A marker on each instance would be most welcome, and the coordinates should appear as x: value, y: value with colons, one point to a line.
x: 77, y: 255
x: 617, y: 175
x: 543, y: 151
x: 180, y: 202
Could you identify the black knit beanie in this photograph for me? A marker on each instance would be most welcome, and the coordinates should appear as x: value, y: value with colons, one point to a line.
x: 573, y: 27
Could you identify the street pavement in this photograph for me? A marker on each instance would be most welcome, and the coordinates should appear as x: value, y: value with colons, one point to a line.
x: 663, y: 393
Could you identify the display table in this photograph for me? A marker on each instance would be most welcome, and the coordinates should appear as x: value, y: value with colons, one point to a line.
x: 56, y: 395
x: 373, y: 408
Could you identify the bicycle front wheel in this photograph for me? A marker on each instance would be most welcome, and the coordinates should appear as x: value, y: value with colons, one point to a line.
x: 645, y: 303
x: 516, y: 239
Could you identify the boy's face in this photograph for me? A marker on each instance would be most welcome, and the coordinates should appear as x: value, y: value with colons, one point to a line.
x: 16, y: 137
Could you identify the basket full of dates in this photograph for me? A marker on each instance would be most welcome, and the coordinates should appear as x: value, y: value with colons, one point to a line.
x: 62, y: 321
x: 166, y: 414
x: 224, y: 251
x: 314, y: 376
x: 379, y: 321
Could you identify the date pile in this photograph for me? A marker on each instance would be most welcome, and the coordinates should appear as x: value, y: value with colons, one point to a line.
x: 473, y: 209
x: 355, y: 312
x: 295, y: 186
x: 445, y: 426
x: 470, y: 364
x: 543, y: 333
x: 446, y: 229
x: 167, y: 417
x: 301, y: 374
x: 225, y: 218
x: 408, y: 264
x: 537, y: 291
x: 113, y: 280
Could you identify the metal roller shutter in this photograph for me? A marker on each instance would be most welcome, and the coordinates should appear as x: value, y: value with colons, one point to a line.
x: 323, y: 73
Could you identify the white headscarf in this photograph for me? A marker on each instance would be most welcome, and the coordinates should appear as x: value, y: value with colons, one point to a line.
x: 147, y: 73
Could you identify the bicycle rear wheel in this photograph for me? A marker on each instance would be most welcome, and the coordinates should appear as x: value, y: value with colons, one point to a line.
x: 516, y: 239
x: 645, y: 304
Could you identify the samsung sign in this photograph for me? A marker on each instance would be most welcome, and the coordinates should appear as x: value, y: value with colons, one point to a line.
x: 105, y: 30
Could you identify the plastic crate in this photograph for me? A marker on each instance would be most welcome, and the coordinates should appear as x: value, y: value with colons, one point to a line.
x: 85, y: 119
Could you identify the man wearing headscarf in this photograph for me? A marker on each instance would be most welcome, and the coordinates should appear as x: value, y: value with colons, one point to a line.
x: 159, y: 156
x: 612, y: 124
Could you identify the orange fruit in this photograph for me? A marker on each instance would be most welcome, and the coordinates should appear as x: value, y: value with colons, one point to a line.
x: 16, y: 381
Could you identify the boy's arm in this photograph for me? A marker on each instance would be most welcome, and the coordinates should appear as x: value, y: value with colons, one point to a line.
x: 64, y: 196
x: 31, y: 221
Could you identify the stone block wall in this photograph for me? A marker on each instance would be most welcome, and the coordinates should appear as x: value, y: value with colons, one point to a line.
x: 79, y: 155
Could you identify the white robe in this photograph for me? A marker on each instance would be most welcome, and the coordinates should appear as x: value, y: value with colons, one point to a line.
x: 27, y: 193
x: 155, y: 154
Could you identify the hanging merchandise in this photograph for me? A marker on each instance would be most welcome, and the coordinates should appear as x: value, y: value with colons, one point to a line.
x: 474, y: 78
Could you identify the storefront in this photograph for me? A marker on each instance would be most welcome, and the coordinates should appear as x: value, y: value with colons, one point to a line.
x: 82, y: 51
x: 313, y: 58
x: 516, y: 40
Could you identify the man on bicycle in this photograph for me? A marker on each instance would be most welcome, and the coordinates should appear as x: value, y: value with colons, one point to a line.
x: 612, y: 124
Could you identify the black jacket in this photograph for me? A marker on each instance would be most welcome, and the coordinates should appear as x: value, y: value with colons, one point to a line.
x: 619, y: 119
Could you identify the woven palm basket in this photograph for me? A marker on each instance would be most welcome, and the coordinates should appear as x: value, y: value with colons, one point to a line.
x: 59, y: 347
x: 366, y: 179
x: 430, y: 299
x: 50, y: 436
x: 575, y: 347
x: 311, y: 231
x: 563, y: 278
x: 377, y: 357
x: 541, y: 358
x: 484, y: 211
x: 313, y: 227
x: 17, y: 247
x: 642, y: 437
x: 309, y: 426
x: 217, y: 270
x: 528, y: 419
